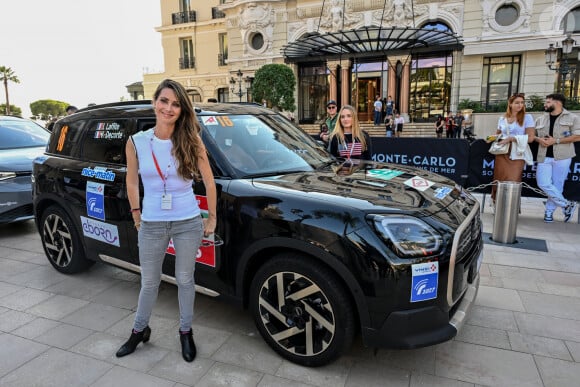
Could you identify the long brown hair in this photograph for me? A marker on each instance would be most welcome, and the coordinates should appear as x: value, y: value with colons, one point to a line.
x: 357, y: 133
x: 187, y: 144
x: 521, y: 113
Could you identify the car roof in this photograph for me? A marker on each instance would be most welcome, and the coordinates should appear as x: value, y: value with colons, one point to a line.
x: 145, y: 107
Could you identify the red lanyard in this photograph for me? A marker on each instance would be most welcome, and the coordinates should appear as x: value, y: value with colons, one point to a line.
x: 163, y: 177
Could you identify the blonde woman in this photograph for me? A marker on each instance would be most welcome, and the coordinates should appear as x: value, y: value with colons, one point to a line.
x: 348, y: 140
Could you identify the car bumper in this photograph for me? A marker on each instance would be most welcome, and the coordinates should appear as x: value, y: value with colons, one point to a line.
x: 16, y: 200
x: 422, y: 327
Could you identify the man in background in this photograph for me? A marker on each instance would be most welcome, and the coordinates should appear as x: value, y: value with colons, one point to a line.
x: 331, y: 118
x: 556, y: 131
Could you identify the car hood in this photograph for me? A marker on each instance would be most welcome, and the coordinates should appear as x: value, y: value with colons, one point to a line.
x: 19, y: 160
x: 371, y: 186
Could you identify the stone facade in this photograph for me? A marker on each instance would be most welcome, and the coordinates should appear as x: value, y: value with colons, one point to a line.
x: 257, y: 31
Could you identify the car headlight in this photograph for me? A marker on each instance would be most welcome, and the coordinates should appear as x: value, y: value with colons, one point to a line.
x: 7, y: 175
x: 407, y: 236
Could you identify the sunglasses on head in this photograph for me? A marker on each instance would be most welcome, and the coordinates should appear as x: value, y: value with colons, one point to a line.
x: 522, y: 95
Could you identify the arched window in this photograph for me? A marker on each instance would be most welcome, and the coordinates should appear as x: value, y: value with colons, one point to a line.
x: 571, y: 23
x: 437, y: 26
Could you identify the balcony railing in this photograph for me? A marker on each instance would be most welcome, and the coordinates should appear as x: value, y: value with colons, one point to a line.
x: 216, y: 13
x: 187, y: 63
x: 183, y: 17
x: 222, y: 59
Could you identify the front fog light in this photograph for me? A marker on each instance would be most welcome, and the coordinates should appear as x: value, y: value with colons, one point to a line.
x: 407, y: 236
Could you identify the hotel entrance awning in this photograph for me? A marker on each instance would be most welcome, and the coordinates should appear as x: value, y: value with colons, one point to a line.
x: 369, y: 42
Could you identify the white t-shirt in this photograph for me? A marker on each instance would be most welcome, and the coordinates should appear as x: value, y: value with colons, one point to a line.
x: 378, y: 105
x: 514, y: 128
x: 183, y: 203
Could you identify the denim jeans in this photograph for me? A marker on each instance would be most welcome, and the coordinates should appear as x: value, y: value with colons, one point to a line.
x: 153, y: 241
x: 550, y: 176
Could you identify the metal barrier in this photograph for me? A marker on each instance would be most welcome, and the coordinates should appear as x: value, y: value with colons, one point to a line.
x: 507, y: 206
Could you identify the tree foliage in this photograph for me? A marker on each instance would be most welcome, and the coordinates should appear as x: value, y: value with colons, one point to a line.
x: 14, y: 110
x: 48, y: 107
x: 275, y: 83
x: 7, y: 75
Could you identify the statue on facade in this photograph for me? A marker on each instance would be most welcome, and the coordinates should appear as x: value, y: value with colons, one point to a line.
x: 399, y: 12
x: 338, y: 18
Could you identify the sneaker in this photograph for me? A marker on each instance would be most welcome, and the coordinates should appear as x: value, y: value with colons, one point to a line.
x: 548, y: 217
x: 569, y: 211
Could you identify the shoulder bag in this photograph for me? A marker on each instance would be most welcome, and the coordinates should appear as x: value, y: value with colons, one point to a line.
x: 500, y: 149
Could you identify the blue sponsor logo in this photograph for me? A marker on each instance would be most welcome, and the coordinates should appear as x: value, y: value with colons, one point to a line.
x: 95, y: 200
x: 425, y: 277
x: 99, y: 173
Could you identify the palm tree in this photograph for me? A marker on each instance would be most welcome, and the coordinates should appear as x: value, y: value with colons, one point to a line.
x: 6, y: 74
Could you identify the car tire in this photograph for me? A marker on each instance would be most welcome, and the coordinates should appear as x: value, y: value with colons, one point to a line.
x: 302, y: 310
x: 61, y: 242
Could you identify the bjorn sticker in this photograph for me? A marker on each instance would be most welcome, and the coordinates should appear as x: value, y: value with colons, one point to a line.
x: 425, y: 277
x: 100, y: 231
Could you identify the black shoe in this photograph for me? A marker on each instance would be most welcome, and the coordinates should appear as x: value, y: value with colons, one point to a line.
x: 188, y: 349
x: 134, y: 340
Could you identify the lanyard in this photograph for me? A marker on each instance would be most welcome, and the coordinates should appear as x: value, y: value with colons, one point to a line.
x: 161, y: 175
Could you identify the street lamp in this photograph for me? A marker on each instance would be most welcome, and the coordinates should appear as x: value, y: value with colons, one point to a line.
x: 239, y: 82
x: 563, y: 68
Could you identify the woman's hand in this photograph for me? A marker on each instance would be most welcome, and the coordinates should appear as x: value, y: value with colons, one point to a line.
x: 209, y: 225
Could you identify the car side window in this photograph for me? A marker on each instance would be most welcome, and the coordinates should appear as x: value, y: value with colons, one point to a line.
x: 104, y: 141
x: 66, y: 139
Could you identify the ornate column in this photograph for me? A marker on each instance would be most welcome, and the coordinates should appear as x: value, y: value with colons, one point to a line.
x: 333, y: 86
x: 345, y: 84
x: 405, y: 78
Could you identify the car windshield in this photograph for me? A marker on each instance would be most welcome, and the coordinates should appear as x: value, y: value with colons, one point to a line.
x: 21, y: 134
x: 264, y: 144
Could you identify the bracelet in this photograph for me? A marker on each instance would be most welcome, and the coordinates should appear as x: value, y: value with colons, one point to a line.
x: 135, y: 210
x: 558, y: 141
x: 137, y: 224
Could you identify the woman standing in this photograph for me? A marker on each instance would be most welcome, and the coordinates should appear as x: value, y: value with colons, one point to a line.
x: 518, y: 129
x: 439, y: 126
x: 168, y: 157
x: 348, y: 140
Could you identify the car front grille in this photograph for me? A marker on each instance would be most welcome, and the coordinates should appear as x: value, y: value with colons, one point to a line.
x: 464, y: 253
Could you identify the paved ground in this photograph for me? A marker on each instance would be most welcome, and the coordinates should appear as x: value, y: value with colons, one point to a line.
x: 58, y: 330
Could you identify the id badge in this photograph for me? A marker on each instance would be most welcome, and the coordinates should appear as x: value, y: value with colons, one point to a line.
x: 166, y: 201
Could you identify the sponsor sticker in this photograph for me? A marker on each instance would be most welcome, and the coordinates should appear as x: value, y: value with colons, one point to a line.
x: 40, y: 160
x: 100, y: 231
x: 206, y: 252
x: 384, y: 174
x: 442, y: 192
x: 424, y: 283
x: 419, y: 183
x: 100, y: 173
x: 95, y: 200
x: 209, y: 120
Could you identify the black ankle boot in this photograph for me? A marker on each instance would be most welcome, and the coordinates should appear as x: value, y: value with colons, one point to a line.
x: 134, y: 340
x: 188, y: 349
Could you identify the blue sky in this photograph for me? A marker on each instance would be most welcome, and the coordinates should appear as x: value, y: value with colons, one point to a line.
x: 78, y: 51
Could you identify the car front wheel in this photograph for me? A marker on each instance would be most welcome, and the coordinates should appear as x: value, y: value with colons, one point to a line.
x: 302, y: 310
x: 61, y: 242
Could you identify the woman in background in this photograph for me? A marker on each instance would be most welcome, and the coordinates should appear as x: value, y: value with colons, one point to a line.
x: 348, y: 140
x: 517, y: 128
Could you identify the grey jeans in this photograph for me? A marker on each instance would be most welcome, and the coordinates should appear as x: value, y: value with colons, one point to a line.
x: 153, y: 241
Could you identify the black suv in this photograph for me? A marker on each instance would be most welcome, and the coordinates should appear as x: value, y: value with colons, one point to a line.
x: 316, y: 247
